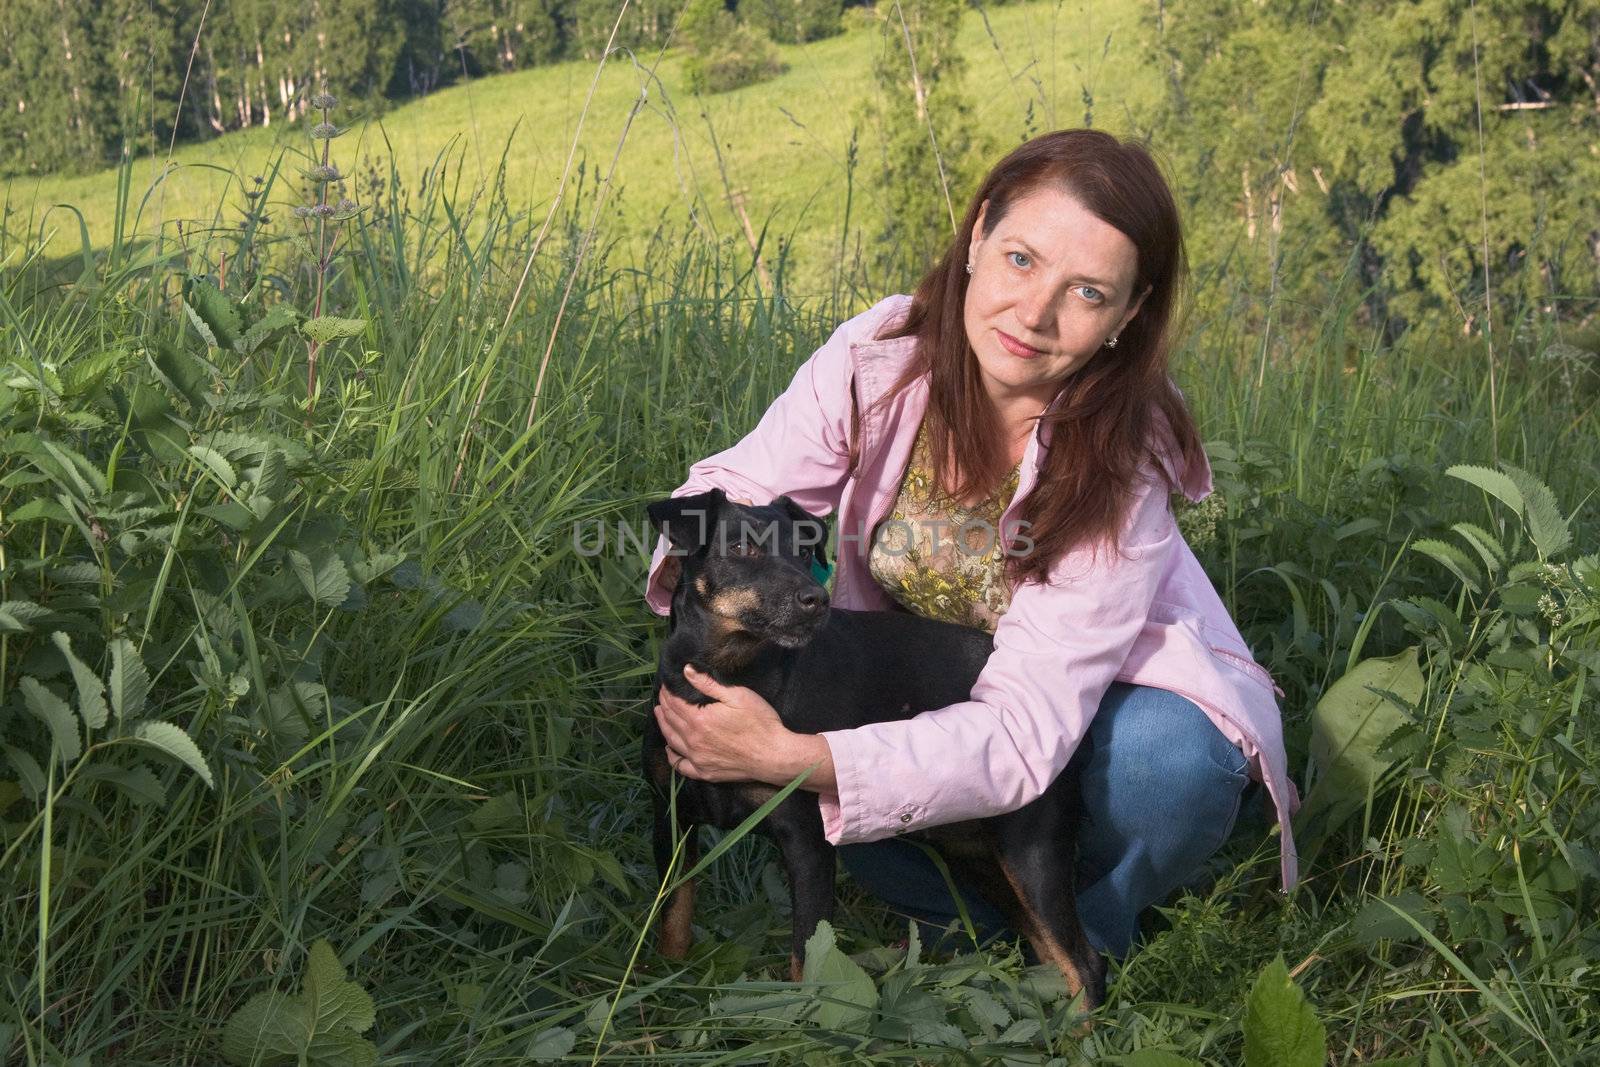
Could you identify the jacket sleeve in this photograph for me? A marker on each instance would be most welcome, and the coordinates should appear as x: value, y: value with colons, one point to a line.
x: 1058, y: 647
x: 801, y: 446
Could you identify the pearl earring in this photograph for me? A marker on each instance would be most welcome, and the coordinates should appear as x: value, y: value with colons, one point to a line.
x: 969, y: 266
x: 1111, y: 342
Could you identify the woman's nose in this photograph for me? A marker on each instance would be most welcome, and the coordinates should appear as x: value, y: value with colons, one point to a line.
x: 1036, y: 309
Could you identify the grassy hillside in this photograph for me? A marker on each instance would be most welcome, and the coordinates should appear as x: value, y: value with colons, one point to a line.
x: 784, y: 143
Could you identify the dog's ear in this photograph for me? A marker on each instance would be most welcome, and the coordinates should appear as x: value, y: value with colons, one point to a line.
x: 688, y: 520
x: 810, y: 529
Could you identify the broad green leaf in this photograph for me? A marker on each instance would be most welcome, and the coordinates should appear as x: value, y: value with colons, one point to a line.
x: 341, y: 1049
x: 846, y: 995
x: 185, y: 374
x: 1280, y: 1028
x: 327, y: 328
x: 777, y: 1008
x: 1546, y: 525
x: 1348, y: 726
x: 335, y: 1002
x: 377, y: 566
x: 29, y: 774
x: 272, y: 477
x: 1453, y: 559
x: 318, y: 1027
x: 278, y: 317
x: 909, y: 1013
x: 138, y: 784
x: 85, y: 474
x: 40, y: 509
x: 1377, y: 920
x: 129, y: 682
x: 91, y: 693
x: 54, y: 713
x: 1023, y: 1031
x: 214, y: 462
x: 1431, y: 616
x: 1487, y: 545
x: 327, y: 580
x: 214, y: 314
x: 552, y: 1044
x: 269, y: 1029
x: 234, y: 515
x: 177, y: 744
x: 986, y: 1010
x: 18, y: 616
x: 1490, y: 481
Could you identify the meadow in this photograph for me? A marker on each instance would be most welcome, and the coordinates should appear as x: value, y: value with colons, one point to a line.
x: 320, y: 730
x: 783, y: 147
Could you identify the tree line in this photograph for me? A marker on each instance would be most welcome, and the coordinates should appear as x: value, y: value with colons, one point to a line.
x: 77, y: 78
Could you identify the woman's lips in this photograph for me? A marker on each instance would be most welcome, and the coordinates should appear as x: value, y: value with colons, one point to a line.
x: 1016, y: 347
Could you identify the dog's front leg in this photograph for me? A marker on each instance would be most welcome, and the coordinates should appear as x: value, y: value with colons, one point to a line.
x: 1036, y: 849
x: 796, y: 826
x: 677, y: 917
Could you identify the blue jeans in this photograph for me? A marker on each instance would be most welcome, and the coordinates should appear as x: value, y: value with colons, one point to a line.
x: 1161, y: 791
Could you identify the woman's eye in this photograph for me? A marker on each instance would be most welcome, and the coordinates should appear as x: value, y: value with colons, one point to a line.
x: 1091, y: 294
x: 1018, y: 259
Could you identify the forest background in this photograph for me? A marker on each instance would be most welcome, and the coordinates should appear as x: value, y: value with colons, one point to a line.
x: 325, y: 325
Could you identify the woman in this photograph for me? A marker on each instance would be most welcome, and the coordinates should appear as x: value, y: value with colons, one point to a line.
x: 1023, y: 391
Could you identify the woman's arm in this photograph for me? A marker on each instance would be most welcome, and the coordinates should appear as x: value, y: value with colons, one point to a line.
x: 1057, y: 650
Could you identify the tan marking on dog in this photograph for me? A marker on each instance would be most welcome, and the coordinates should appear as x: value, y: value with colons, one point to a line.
x: 677, y: 933
x: 700, y: 585
x: 731, y: 603
x: 757, y: 793
x: 729, y: 645
x: 1043, y: 942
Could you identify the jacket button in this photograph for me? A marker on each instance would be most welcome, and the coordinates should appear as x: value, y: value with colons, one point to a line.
x: 905, y: 816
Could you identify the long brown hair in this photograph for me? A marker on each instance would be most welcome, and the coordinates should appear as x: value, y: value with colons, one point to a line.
x: 1117, y: 411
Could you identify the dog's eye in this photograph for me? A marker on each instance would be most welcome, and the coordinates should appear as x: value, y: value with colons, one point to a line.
x: 741, y: 548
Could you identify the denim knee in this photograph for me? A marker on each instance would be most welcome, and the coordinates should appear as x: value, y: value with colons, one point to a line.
x: 1161, y: 793
x: 1161, y: 788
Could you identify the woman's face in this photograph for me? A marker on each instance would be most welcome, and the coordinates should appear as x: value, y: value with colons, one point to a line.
x: 1049, y: 285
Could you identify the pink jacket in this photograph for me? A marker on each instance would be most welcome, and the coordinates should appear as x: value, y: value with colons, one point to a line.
x: 1148, y: 615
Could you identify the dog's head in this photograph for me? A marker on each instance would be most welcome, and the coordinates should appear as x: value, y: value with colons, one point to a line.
x: 754, y: 568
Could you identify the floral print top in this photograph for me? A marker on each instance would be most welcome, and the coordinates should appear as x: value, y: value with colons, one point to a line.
x: 938, y: 558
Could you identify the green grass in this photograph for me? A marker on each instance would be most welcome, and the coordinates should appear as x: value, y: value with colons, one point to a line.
x: 783, y: 143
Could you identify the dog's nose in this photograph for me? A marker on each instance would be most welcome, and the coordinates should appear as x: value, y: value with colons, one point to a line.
x: 812, y: 600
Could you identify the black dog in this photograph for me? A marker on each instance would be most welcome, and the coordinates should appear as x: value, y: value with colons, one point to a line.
x: 748, y: 610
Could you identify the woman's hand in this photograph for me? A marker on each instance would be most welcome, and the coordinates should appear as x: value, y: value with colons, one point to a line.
x: 737, y: 738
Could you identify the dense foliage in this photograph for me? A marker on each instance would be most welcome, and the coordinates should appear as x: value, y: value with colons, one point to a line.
x: 923, y: 148
x: 722, y: 52
x: 1442, y: 152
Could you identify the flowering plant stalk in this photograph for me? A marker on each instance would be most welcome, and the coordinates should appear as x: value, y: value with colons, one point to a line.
x: 324, y: 218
